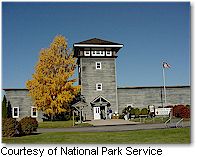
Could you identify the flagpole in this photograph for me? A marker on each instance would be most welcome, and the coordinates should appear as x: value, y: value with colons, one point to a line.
x: 164, y: 83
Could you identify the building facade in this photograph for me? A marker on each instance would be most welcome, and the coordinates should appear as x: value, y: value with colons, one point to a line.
x: 96, y: 59
x: 142, y: 97
x: 20, y: 104
x: 97, y: 76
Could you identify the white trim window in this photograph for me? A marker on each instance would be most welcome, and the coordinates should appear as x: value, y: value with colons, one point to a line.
x: 15, y: 112
x: 98, y: 53
x: 86, y: 53
x: 34, y: 112
x: 108, y: 53
x: 98, y: 65
x: 99, y: 87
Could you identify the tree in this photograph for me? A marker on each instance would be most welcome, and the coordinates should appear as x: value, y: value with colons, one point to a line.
x: 4, y: 108
x: 52, y: 86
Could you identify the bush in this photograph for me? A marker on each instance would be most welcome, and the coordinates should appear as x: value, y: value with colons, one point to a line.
x: 67, y: 117
x: 181, y: 111
x: 10, y: 127
x: 34, y: 123
x: 137, y: 112
x: 144, y: 111
x: 121, y: 116
x: 28, y: 125
x: 132, y: 111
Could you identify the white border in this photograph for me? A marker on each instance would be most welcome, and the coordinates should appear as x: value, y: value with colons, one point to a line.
x: 17, y: 112
x: 92, y: 45
x: 32, y: 112
x: 97, y: 65
x: 98, y: 85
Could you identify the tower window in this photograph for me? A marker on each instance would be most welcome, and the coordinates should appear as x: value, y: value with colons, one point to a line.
x: 93, y: 53
x: 98, y: 65
x: 108, y: 53
x: 98, y: 53
x: 15, y: 112
x: 99, y: 86
x: 86, y: 53
x: 34, y: 112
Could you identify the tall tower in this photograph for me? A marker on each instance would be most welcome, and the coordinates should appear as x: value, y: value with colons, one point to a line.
x: 97, y: 76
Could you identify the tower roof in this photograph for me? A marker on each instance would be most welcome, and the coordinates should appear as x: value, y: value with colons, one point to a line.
x: 98, y: 41
x: 96, y: 44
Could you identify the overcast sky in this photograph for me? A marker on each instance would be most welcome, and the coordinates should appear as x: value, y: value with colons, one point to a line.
x: 150, y: 32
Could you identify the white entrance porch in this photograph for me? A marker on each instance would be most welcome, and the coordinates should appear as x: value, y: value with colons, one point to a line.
x: 100, y: 106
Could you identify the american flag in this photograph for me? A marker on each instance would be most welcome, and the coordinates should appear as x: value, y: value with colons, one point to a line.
x: 166, y: 65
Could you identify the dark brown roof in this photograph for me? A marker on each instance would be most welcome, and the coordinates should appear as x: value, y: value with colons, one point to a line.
x: 98, y: 42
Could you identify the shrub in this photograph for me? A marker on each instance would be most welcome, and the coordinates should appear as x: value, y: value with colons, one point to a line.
x: 28, y: 125
x: 144, y: 111
x: 10, y: 127
x: 127, y: 110
x: 181, y: 111
x: 188, y: 106
x: 137, y: 112
x: 67, y: 117
x: 132, y: 111
x: 121, y: 116
x: 34, y: 124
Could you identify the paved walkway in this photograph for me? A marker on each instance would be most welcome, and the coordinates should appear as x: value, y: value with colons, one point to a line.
x: 112, y: 122
x: 109, y: 128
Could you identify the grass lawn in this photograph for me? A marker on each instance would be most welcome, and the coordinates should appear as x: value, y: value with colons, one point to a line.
x: 171, y: 136
x: 60, y: 124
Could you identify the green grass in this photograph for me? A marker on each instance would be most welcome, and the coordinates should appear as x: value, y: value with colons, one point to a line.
x: 60, y: 124
x: 164, y: 136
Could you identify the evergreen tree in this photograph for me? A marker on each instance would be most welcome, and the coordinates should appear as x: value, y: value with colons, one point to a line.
x: 4, y: 107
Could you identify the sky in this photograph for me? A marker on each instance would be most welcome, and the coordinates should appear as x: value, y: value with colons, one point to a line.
x: 150, y: 32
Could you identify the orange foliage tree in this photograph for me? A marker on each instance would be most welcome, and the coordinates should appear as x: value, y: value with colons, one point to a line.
x: 52, y: 85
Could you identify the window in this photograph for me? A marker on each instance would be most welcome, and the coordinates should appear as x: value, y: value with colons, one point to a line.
x: 108, y: 53
x: 98, y: 65
x: 99, y: 86
x: 15, y: 112
x: 86, y: 53
x: 34, y: 112
x: 98, y: 53
x: 93, y: 53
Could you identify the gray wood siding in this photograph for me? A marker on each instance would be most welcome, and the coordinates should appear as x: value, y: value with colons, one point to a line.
x: 90, y: 76
x: 142, y: 97
x: 20, y: 98
x: 139, y: 97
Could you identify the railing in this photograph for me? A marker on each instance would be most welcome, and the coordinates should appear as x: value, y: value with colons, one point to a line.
x: 167, y: 122
x: 179, y: 122
x: 174, y: 123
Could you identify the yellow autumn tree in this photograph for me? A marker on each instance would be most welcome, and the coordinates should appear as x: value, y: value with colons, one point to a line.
x: 52, y: 85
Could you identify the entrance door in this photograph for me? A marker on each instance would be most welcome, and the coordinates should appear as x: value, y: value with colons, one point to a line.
x: 97, y: 113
